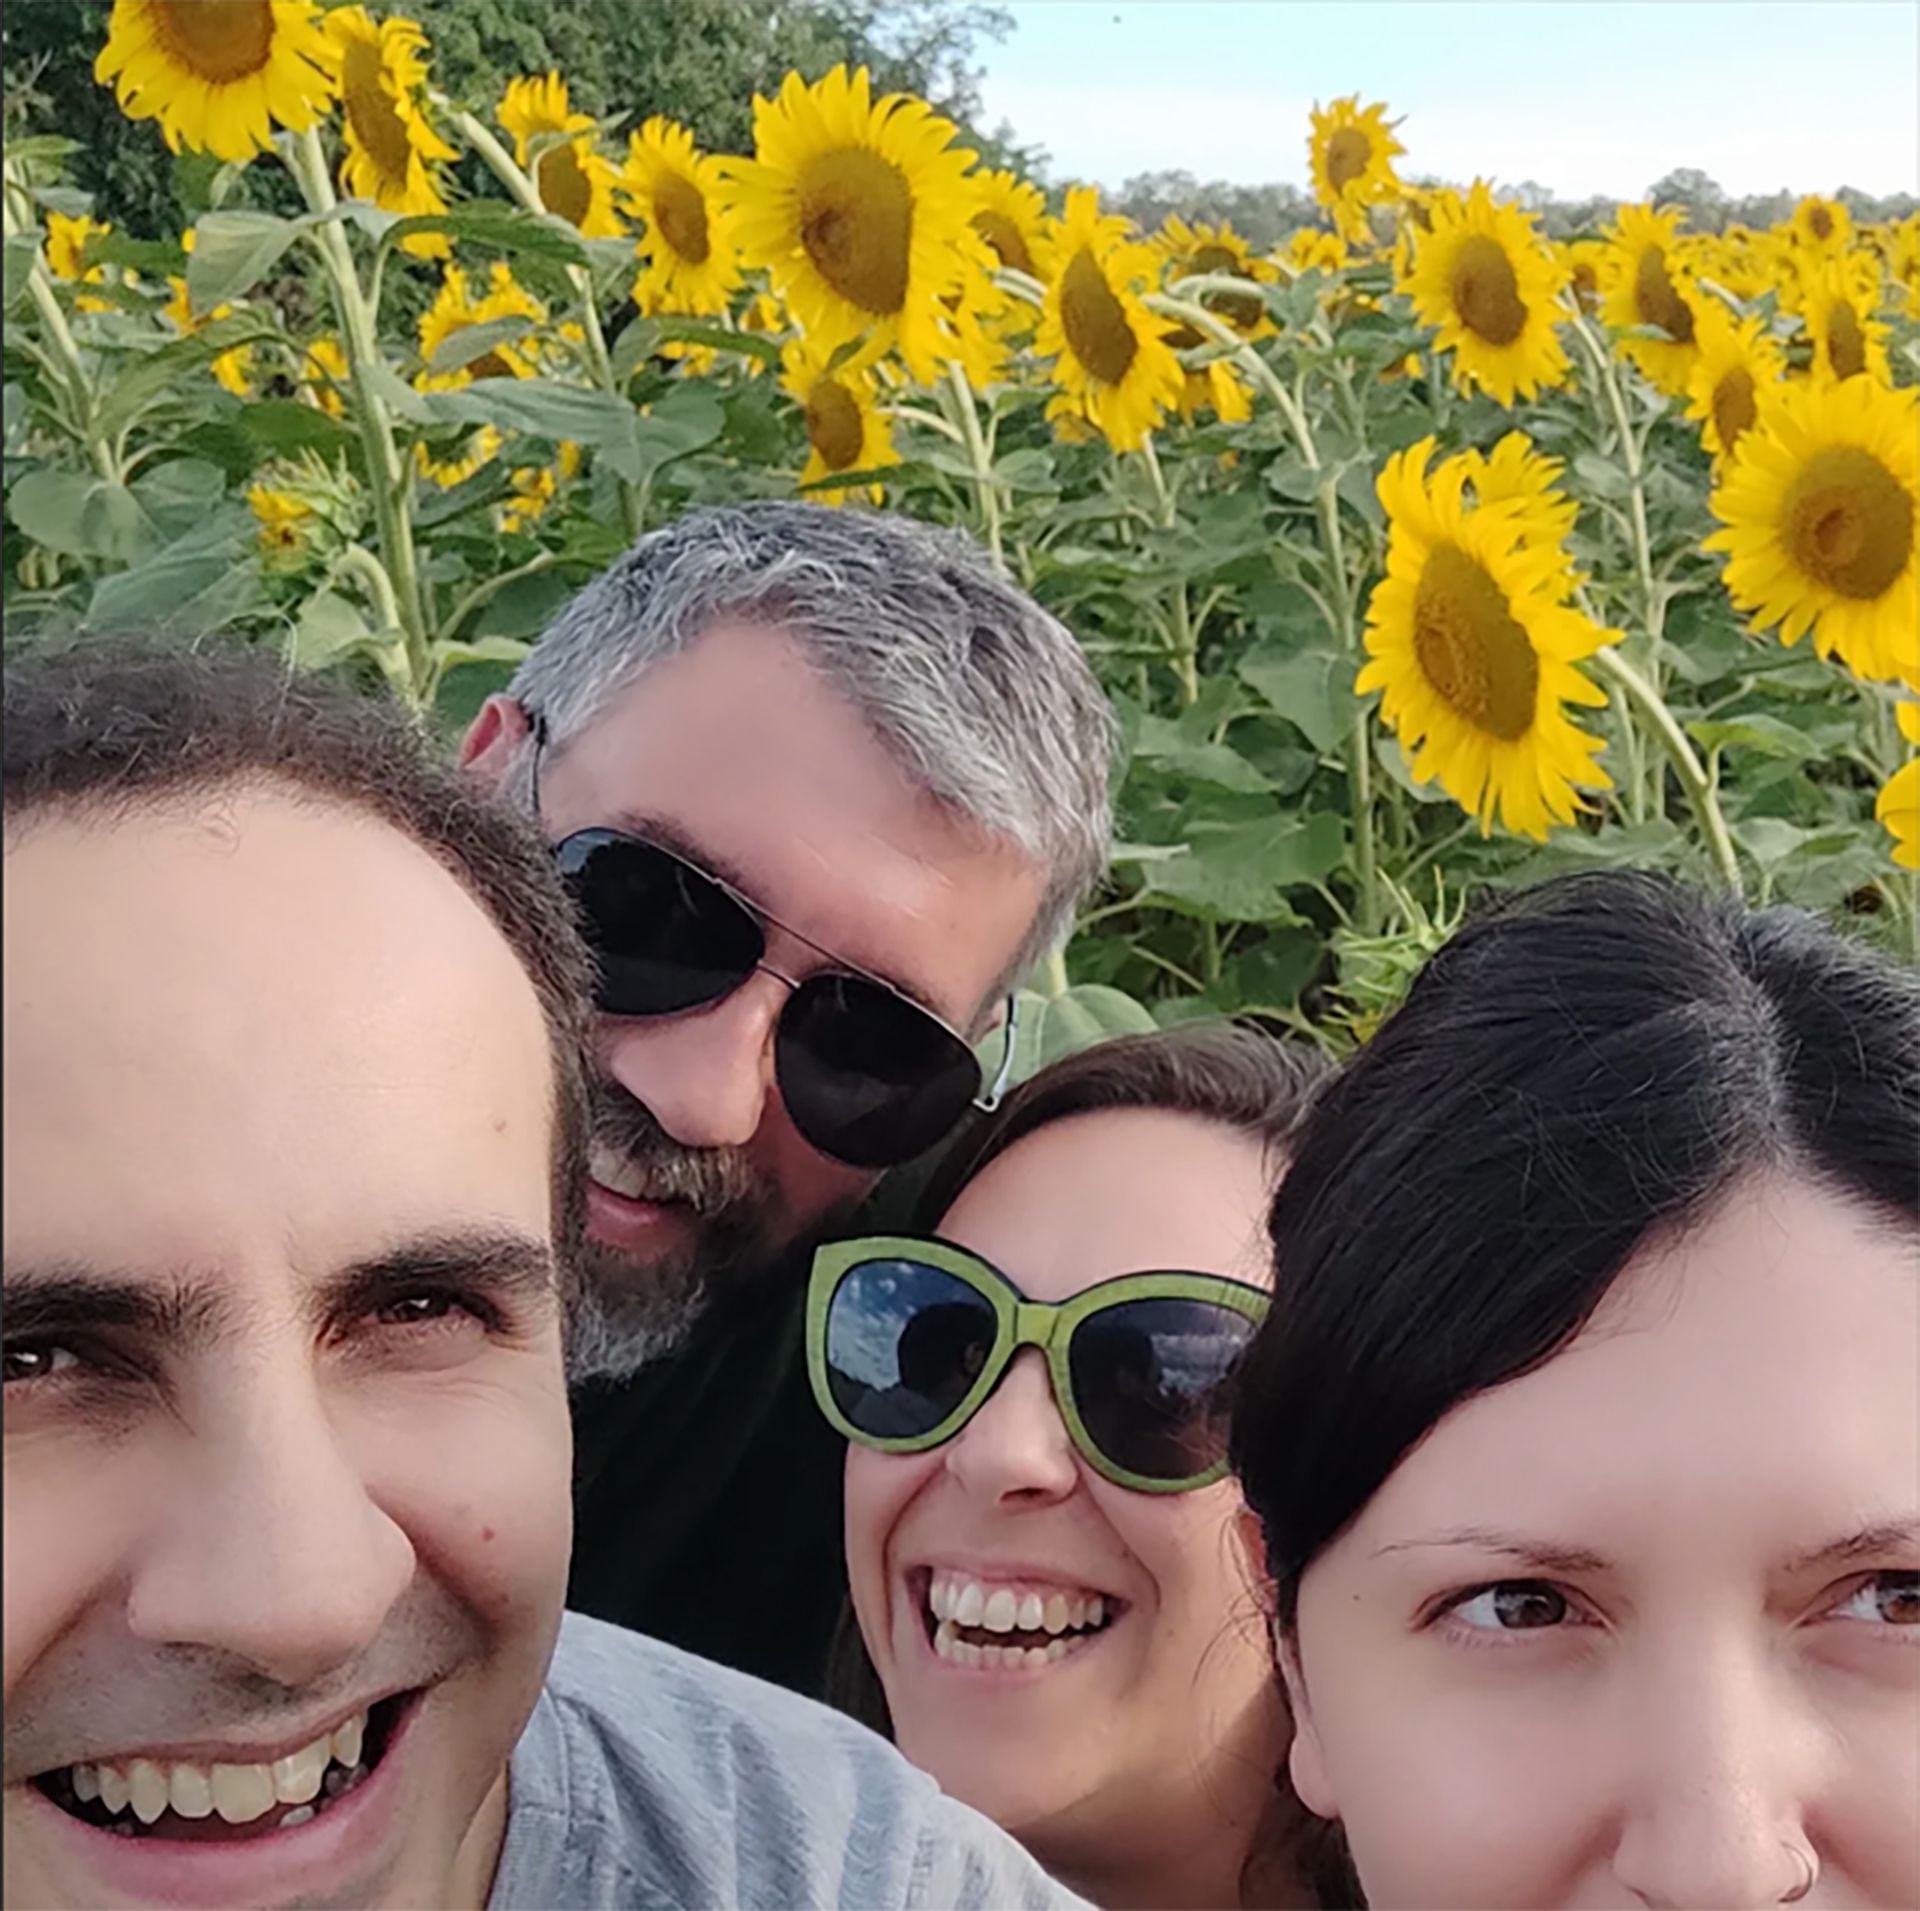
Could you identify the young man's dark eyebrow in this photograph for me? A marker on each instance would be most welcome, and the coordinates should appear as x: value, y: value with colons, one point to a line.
x: 66, y: 1298
x: 504, y: 1262
x: 1547, y: 1556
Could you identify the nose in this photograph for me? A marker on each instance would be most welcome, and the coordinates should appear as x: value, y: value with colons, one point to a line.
x: 1715, y: 1817
x: 1016, y: 1449
x: 704, y: 1075
x: 270, y: 1548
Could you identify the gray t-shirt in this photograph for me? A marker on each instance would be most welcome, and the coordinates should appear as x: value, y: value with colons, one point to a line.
x: 647, y: 1777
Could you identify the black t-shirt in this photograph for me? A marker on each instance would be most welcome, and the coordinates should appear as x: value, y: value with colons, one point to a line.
x: 707, y: 1487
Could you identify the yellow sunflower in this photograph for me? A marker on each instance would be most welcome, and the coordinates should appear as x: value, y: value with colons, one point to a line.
x: 1838, y: 300
x: 1585, y: 260
x: 536, y: 486
x: 391, y: 151
x: 1818, y: 507
x: 1482, y: 276
x: 1475, y: 654
x: 1011, y: 217
x: 67, y: 242
x: 1902, y: 253
x: 860, y: 210
x: 1516, y: 473
x: 1898, y: 805
x: 325, y: 375
x: 1115, y: 367
x: 1218, y: 387
x: 1736, y: 260
x: 1191, y: 250
x: 691, y: 263
x: 218, y: 74
x: 284, y: 520
x: 1648, y: 285
x: 575, y: 179
x: 1352, y: 149
x: 1310, y: 250
x: 1735, y: 379
x: 845, y: 431
x: 233, y: 369
x: 456, y: 310
x: 1821, y: 227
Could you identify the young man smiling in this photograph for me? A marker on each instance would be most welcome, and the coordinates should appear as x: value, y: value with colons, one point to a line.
x: 826, y: 785
x: 294, y: 1126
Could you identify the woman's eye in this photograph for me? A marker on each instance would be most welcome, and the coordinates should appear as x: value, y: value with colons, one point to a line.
x: 1514, y: 1605
x: 1887, y: 1599
x: 30, y: 1362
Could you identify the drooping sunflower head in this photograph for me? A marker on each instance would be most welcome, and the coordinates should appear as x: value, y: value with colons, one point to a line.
x: 1736, y: 378
x: 284, y: 520
x: 845, y: 432
x: 1838, y: 301
x: 1819, y: 507
x: 391, y: 149
x: 1114, y: 361
x: 1898, y: 804
x: 1585, y: 260
x: 1474, y: 653
x: 218, y: 74
x: 1011, y: 216
x: 860, y: 210
x: 1490, y: 286
x: 1351, y: 150
x: 456, y: 309
x: 1821, y: 227
x: 1648, y: 285
x: 1199, y: 249
x: 324, y: 374
x: 1215, y: 385
x: 691, y: 263
x: 574, y: 178
x: 67, y: 242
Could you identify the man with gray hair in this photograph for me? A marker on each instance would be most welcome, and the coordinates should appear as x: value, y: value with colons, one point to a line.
x: 824, y: 785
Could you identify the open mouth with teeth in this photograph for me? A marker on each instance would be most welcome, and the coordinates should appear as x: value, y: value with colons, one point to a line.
x: 209, y: 1804
x: 1019, y: 1626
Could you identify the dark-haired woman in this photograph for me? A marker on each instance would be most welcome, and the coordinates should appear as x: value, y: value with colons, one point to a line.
x: 1045, y: 1558
x: 1584, y: 1434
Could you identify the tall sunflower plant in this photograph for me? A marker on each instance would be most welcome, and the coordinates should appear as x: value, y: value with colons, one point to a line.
x: 1419, y: 552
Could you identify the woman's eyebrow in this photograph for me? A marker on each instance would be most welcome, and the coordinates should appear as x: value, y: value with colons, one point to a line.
x: 1545, y: 1555
x: 1873, y: 1541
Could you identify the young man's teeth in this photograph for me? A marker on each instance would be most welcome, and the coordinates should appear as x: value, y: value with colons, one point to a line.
x: 614, y: 1171
x: 238, y: 1793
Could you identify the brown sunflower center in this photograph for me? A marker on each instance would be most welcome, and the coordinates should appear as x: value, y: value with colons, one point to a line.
x: 1347, y: 154
x: 1847, y: 521
x: 1655, y: 300
x: 1586, y: 286
x: 1095, y: 321
x: 1486, y: 291
x: 833, y: 424
x: 1734, y: 406
x: 1846, y: 342
x: 372, y: 115
x: 217, y: 40
x: 491, y: 365
x: 564, y: 185
x: 680, y: 212
x: 856, y: 222
x: 1820, y: 222
x: 1241, y: 310
x: 1470, y: 646
x: 1004, y: 236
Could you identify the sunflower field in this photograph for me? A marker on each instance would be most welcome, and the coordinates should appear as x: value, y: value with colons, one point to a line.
x: 1422, y: 554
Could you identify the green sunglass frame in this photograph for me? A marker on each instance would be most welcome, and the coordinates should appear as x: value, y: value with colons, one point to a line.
x: 1020, y: 1323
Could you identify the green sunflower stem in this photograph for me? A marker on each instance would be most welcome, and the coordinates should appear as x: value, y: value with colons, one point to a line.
x: 1186, y: 637
x: 386, y: 469
x: 1694, y: 775
x: 986, y: 491
x: 526, y: 195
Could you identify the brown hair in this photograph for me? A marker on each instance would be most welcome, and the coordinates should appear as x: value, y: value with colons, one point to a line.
x: 1238, y: 1077
x: 114, y: 727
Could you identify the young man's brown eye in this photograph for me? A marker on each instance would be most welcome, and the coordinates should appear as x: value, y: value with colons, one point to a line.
x: 35, y: 1361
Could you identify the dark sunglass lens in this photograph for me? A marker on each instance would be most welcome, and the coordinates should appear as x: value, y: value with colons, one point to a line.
x: 1150, y: 1379
x: 663, y: 935
x: 867, y: 1076
x: 904, y: 1343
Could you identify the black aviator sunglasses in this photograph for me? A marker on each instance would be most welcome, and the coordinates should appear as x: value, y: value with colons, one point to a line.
x: 870, y: 1076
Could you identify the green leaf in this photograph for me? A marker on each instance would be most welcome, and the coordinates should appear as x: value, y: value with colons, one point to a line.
x: 81, y: 516
x: 1758, y: 731
x: 686, y: 420
x: 482, y: 650
x: 1161, y: 741
x: 1312, y: 689
x: 69, y: 201
x: 232, y: 252
x: 331, y: 627
x: 1600, y: 476
x: 545, y: 408
x: 21, y: 250
x: 285, y: 425
x: 719, y: 338
x: 1238, y: 872
x: 47, y: 146
x: 152, y: 377
x: 1053, y: 1026
x: 180, y: 495
x: 493, y: 222
x: 461, y: 347
x: 201, y: 581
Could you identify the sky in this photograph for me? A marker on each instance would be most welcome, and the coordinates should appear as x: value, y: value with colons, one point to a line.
x: 1583, y: 96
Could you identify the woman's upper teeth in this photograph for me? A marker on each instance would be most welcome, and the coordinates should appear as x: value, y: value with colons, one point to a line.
x: 1025, y: 1607
x: 238, y: 1793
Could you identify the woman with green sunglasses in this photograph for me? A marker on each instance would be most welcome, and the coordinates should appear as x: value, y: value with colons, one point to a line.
x: 1045, y: 1558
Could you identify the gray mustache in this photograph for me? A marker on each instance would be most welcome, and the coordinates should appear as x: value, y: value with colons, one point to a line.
x: 707, y: 1180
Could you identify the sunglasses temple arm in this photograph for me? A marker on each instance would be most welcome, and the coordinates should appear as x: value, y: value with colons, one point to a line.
x: 996, y: 1094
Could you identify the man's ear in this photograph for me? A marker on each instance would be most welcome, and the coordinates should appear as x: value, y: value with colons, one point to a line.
x: 495, y: 739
